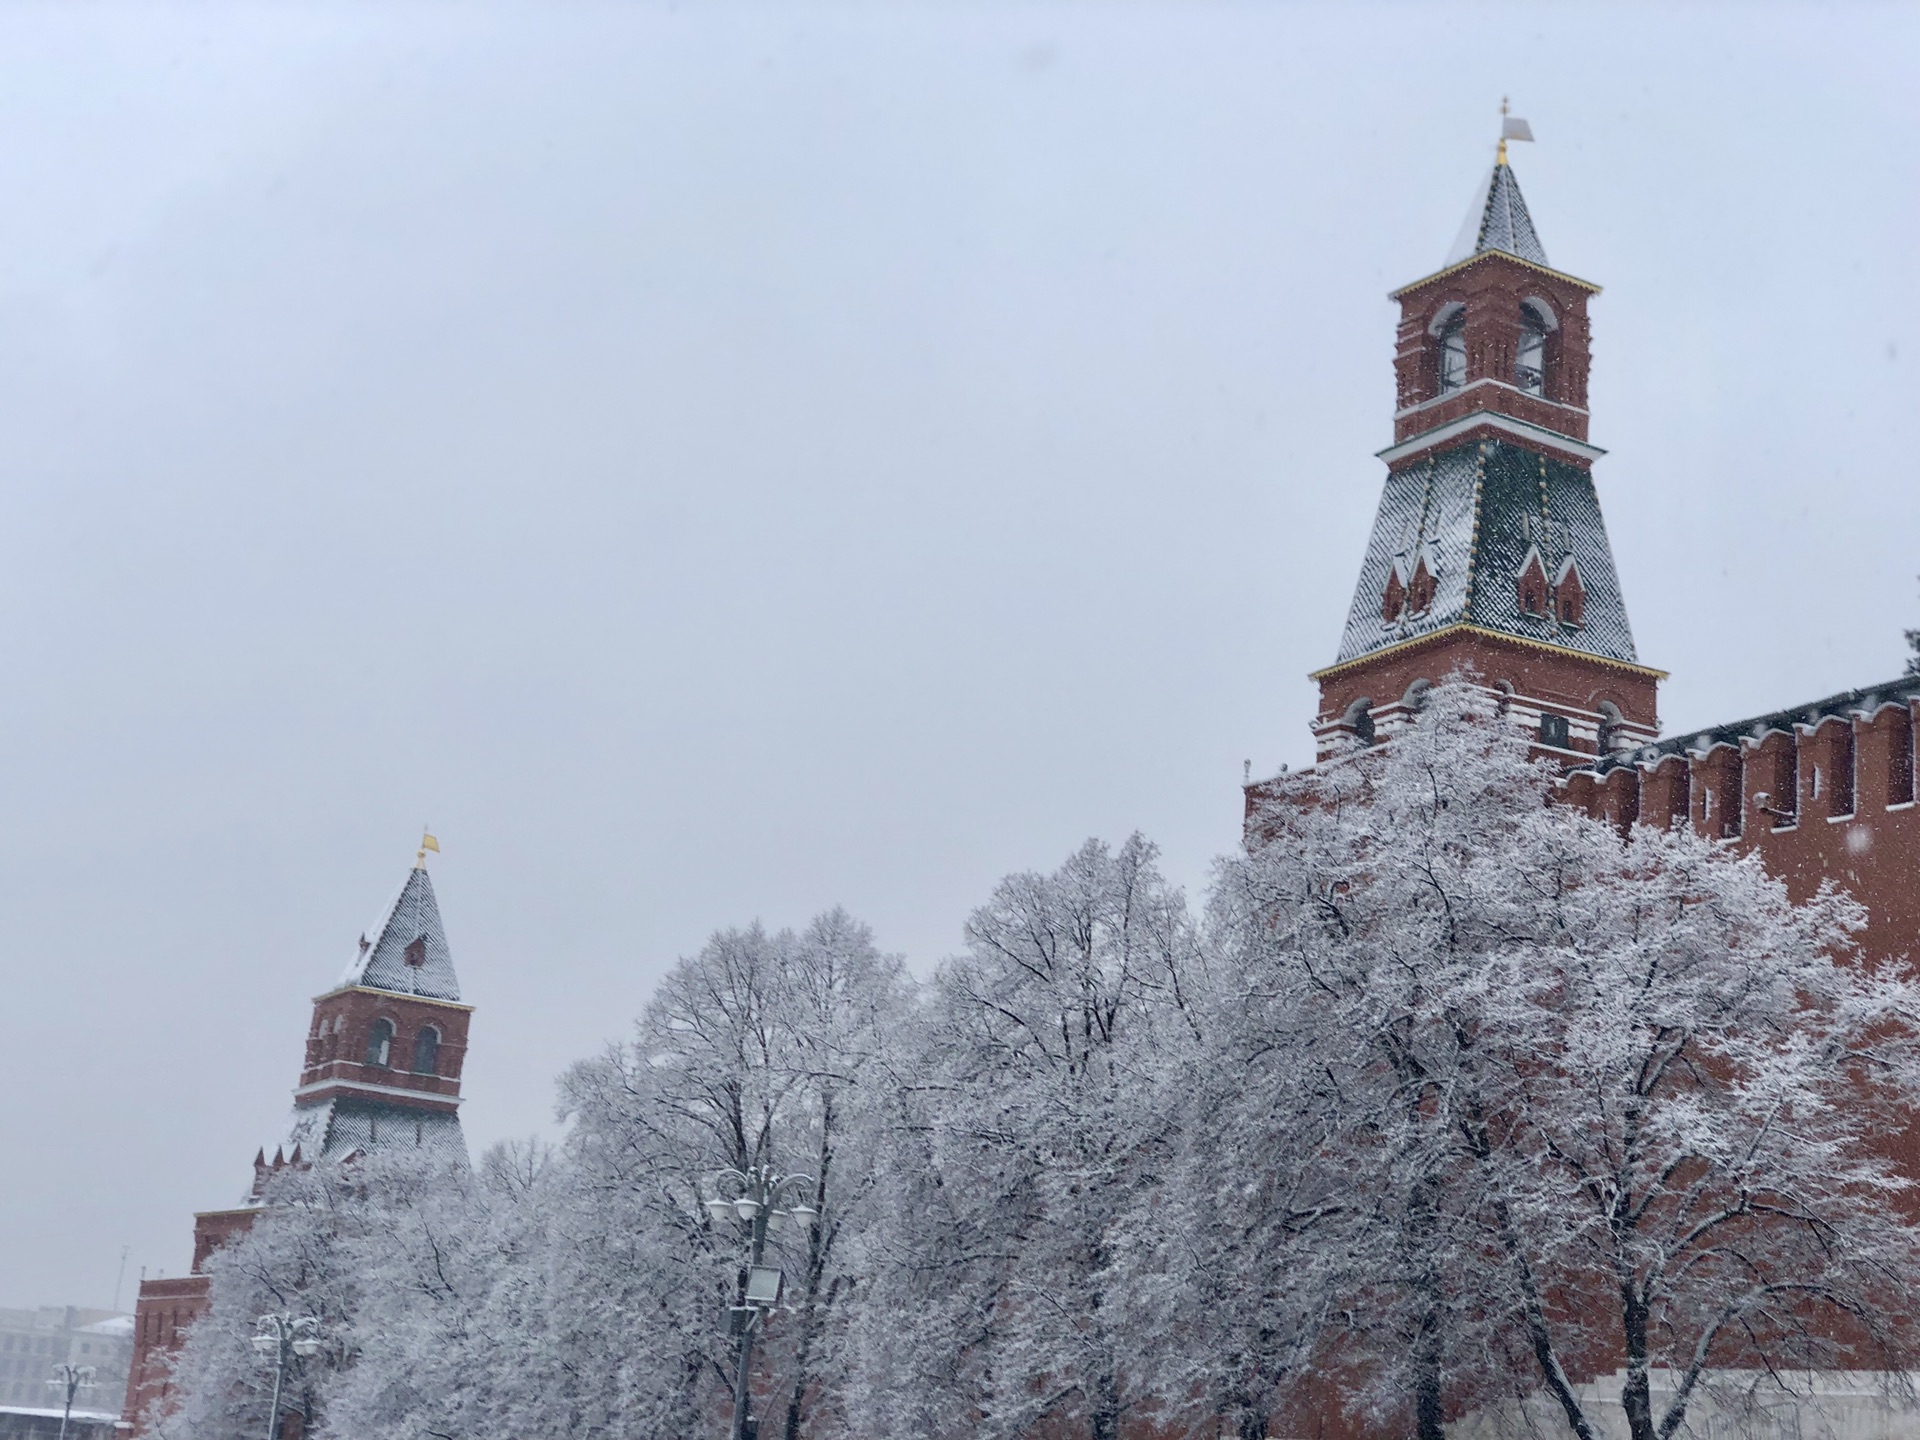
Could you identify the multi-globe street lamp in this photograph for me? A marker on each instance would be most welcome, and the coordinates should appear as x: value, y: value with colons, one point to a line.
x: 277, y: 1339
x: 757, y: 1206
x: 70, y: 1378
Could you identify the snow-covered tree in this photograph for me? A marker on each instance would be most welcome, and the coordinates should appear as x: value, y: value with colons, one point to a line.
x: 1458, y: 1097
x: 762, y: 1050
x: 583, y: 1291
x: 1631, y: 1098
x: 1022, y: 1144
x: 300, y: 1258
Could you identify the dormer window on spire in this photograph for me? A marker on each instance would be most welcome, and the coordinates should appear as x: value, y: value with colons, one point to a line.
x: 1569, y: 595
x: 1532, y: 585
x: 1421, y: 592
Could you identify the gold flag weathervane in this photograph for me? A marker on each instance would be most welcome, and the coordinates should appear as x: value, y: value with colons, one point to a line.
x: 427, y: 842
x: 1512, y: 127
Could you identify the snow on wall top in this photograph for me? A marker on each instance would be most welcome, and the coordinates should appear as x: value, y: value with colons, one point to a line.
x: 1477, y: 510
x: 1498, y: 221
x: 408, y: 953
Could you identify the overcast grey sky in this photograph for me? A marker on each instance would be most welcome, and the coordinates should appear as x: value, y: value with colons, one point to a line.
x: 726, y: 461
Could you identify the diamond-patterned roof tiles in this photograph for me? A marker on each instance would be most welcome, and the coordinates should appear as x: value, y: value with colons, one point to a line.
x: 1477, y: 509
x: 336, y: 1127
x: 408, y: 952
x: 1498, y: 221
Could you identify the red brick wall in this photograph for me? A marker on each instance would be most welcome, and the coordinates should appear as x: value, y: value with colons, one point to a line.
x: 1560, y: 678
x: 1492, y: 288
x: 343, y: 1020
x: 160, y: 1319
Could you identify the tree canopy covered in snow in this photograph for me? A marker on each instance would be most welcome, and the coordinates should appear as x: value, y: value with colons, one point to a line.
x: 1449, y: 1100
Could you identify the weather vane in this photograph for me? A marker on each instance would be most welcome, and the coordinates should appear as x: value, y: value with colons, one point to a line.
x: 427, y: 842
x: 1512, y: 127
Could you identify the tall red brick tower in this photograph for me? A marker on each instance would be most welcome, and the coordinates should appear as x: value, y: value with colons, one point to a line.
x: 382, y: 1071
x: 1489, y: 549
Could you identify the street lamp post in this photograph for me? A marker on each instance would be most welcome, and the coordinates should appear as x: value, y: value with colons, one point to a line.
x: 277, y: 1339
x: 755, y: 1205
x: 70, y: 1378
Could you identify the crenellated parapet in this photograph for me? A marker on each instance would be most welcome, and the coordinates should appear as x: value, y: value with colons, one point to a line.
x: 1823, y: 791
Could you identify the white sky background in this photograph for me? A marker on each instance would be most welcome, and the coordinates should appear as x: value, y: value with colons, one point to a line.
x: 719, y: 463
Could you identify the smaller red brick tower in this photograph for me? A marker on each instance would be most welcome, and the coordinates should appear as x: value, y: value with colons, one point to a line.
x: 386, y: 1044
x: 382, y: 1071
x: 1489, y: 549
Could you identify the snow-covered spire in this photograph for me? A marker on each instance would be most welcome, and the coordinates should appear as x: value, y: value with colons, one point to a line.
x: 408, y: 953
x: 1498, y: 220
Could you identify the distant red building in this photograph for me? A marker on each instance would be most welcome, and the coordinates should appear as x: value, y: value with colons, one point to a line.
x: 382, y: 1070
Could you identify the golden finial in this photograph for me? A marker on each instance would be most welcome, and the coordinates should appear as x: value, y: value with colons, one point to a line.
x: 427, y: 842
x: 1512, y: 127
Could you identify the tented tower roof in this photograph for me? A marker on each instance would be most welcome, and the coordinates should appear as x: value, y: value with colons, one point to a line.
x: 1498, y: 221
x: 407, y: 952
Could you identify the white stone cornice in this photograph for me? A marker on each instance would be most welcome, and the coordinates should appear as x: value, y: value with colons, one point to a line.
x: 361, y: 1087
x: 1519, y: 429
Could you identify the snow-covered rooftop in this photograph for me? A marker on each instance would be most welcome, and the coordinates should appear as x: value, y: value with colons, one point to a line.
x: 339, y: 1127
x: 1498, y: 220
x: 1477, y: 512
x: 408, y: 952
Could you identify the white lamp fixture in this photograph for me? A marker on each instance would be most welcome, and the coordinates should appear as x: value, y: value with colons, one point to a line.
x: 746, y: 1208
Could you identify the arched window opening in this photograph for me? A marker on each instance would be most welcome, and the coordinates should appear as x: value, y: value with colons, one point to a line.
x: 1530, y: 360
x: 1608, y: 738
x: 1453, y: 353
x: 380, y: 1044
x: 1553, y: 730
x: 1359, y: 719
x: 426, y: 1051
